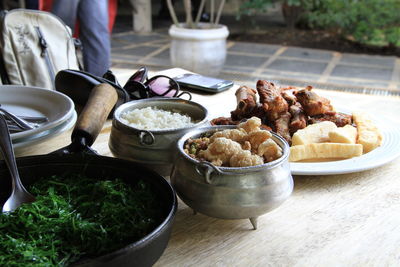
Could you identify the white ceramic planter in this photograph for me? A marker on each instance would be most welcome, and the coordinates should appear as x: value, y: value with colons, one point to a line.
x: 200, y: 50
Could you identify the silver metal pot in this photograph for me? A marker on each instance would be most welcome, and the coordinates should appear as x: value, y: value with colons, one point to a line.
x: 153, y: 148
x: 231, y: 193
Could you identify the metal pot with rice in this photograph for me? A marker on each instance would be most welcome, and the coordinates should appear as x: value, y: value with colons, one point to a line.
x: 146, y: 131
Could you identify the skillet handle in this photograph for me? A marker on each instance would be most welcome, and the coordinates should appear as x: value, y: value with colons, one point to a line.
x: 101, y: 101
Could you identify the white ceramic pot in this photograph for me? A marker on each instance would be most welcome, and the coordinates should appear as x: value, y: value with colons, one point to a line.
x: 201, y: 50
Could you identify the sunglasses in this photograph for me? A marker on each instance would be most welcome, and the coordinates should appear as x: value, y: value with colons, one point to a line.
x: 139, y: 86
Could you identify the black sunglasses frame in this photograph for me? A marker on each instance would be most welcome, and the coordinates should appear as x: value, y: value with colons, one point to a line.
x: 139, y: 87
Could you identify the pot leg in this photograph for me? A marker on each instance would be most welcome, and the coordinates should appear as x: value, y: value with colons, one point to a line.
x: 253, y: 221
x: 194, y: 212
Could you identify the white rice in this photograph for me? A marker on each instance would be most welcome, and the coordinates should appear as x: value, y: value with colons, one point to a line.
x: 150, y: 118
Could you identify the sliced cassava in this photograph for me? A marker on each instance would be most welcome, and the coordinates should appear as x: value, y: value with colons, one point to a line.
x: 324, y: 151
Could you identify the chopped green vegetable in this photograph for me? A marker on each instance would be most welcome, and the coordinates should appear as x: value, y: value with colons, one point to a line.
x: 75, y: 217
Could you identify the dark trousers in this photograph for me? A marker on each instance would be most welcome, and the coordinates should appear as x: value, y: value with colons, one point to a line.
x: 93, y: 30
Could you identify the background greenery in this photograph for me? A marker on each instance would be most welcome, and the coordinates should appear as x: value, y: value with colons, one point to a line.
x: 370, y: 22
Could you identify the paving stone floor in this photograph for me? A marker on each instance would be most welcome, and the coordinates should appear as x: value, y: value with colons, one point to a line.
x: 248, y: 62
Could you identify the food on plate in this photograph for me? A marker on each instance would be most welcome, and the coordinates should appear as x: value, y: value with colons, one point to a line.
x: 75, y: 216
x: 368, y: 134
x: 153, y: 118
x: 346, y: 134
x: 302, y: 117
x: 282, y: 110
x: 316, y: 151
x: 248, y: 145
x: 314, y: 133
x: 324, y: 140
x: 312, y: 103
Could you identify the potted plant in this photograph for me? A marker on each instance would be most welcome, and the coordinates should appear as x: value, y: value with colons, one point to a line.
x: 198, y: 46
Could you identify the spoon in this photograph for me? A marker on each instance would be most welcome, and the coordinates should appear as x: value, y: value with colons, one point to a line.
x: 19, y: 121
x: 19, y: 194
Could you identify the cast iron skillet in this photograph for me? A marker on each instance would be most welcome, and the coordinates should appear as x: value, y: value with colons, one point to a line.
x: 79, y: 157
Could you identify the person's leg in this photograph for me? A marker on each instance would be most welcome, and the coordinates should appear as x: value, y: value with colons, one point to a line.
x: 66, y: 10
x: 95, y: 36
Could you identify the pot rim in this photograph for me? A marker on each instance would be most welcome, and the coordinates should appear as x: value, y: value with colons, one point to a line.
x: 220, y: 31
x: 122, y: 126
x: 269, y: 165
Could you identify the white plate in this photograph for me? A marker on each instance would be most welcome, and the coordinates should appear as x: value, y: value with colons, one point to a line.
x: 388, y: 151
x: 34, y: 101
x: 43, y: 136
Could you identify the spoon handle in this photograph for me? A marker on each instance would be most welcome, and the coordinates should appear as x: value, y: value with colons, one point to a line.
x: 8, y: 153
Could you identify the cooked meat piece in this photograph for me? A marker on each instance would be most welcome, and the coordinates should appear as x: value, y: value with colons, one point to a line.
x: 250, y: 125
x: 244, y: 158
x: 246, y: 102
x: 338, y: 118
x: 298, y: 120
x: 281, y: 126
x: 223, y: 121
x: 246, y: 145
x: 220, y: 151
x: 265, y: 127
x: 258, y: 137
x: 312, y: 103
x: 269, y: 150
x: 289, y: 97
x: 271, y: 100
x: 238, y: 135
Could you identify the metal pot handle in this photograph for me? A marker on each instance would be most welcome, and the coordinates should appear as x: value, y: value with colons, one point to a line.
x: 205, y: 169
x: 209, y: 169
x: 146, y: 138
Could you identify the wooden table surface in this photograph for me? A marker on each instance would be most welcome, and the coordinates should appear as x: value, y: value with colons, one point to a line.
x: 336, y: 220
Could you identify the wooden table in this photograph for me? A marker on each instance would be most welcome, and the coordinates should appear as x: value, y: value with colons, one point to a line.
x: 338, y: 220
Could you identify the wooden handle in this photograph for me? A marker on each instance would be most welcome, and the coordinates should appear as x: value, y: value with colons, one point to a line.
x: 101, y: 101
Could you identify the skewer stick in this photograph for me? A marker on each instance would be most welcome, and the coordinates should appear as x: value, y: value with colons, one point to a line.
x: 221, y: 6
x: 172, y: 13
x: 199, y: 12
x: 188, y: 11
x: 212, y: 12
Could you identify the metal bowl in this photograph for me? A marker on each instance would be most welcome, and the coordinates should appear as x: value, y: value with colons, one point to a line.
x: 231, y: 192
x: 153, y: 148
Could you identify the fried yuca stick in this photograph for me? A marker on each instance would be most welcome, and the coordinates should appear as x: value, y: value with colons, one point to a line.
x: 368, y: 134
x: 325, y: 151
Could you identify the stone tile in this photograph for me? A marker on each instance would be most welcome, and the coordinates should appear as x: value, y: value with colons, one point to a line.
x: 358, y: 83
x: 239, y: 79
x: 123, y: 57
x: 263, y: 49
x: 138, y: 51
x: 245, y: 61
x: 115, y: 44
x: 124, y: 65
x: 387, y: 61
x: 137, y: 38
x: 286, y: 75
x: 298, y: 66
x: 166, y: 62
x: 164, y: 54
x: 238, y: 69
x: 360, y: 72
x: 307, y: 53
x: 162, y: 59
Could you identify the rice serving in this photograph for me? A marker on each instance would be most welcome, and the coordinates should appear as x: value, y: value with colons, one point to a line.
x: 150, y: 118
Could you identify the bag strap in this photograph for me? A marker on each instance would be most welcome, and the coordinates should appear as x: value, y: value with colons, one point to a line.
x: 79, y: 52
x: 3, y: 73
